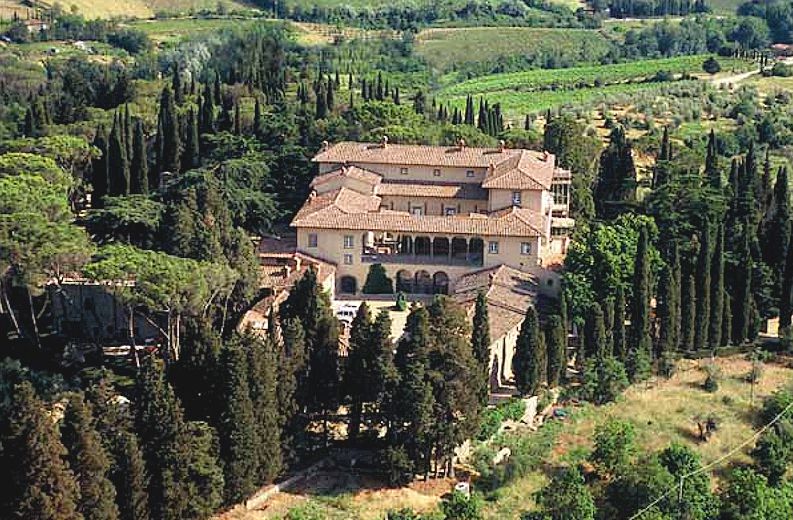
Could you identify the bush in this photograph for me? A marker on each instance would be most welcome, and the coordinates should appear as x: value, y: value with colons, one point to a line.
x: 603, y: 380
x: 401, y: 301
x: 711, y: 383
x: 377, y: 282
x: 615, y: 446
x: 398, y: 466
x: 461, y: 507
x: 513, y: 409
x: 711, y: 65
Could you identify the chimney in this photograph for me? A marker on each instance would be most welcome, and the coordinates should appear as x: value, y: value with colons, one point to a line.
x: 545, y: 156
x: 312, y: 195
x: 461, y: 143
x: 385, y: 141
x: 502, y: 145
x: 491, y: 168
x: 325, y: 146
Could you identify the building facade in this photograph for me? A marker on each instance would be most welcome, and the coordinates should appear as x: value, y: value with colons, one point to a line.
x: 432, y: 214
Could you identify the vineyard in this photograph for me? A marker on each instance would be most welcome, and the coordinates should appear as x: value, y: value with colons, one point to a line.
x: 587, y: 76
x: 451, y: 49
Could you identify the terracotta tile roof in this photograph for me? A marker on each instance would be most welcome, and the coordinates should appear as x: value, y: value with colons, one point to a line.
x: 454, y: 156
x: 527, y: 171
x: 347, y: 209
x: 352, y: 172
x: 467, y: 191
x: 509, y: 293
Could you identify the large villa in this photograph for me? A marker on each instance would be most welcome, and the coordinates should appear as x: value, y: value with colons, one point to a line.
x: 433, y: 214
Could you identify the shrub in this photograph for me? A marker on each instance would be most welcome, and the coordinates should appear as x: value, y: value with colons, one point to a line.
x: 461, y: 507
x: 711, y: 65
x: 398, y: 466
x: 377, y: 282
x: 711, y: 383
x: 401, y: 301
x: 615, y: 446
x: 603, y: 380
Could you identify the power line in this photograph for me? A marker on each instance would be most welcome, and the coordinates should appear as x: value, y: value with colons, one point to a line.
x: 721, y: 459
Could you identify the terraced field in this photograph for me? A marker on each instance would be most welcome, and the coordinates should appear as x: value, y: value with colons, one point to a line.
x: 448, y: 49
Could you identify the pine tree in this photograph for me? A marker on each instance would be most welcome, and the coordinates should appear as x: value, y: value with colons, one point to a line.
x: 190, y: 154
x: 703, y: 289
x: 139, y: 167
x: 361, y: 362
x: 529, y: 350
x: 43, y: 487
x: 480, y: 343
x: 618, y: 329
x: 117, y: 163
x: 168, y: 143
x: 556, y: 343
x: 89, y: 462
x: 99, y: 181
x: 717, y: 293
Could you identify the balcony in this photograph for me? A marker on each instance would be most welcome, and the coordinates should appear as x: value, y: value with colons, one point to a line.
x: 422, y: 250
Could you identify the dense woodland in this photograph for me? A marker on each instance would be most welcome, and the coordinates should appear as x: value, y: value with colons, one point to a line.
x: 160, y: 167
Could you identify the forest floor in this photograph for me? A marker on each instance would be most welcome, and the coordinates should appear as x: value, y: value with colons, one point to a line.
x: 662, y: 411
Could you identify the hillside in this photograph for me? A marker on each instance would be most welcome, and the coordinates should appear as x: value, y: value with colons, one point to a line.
x: 124, y: 8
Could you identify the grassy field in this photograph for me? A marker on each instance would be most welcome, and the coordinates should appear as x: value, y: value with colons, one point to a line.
x: 447, y: 49
x: 661, y: 411
x: 175, y: 28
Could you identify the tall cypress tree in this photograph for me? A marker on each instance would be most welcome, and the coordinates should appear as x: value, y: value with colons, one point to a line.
x: 786, y: 294
x: 480, y: 343
x: 258, y: 123
x: 529, y: 351
x: 677, y: 283
x: 207, y: 125
x: 89, y: 462
x: 262, y: 382
x: 237, y: 119
x: 665, y: 310
x: 717, y: 293
x: 291, y: 369
x: 130, y: 479
x: 777, y: 237
x: 742, y: 306
x: 237, y: 427
x: 556, y: 343
x: 361, y: 363
x: 712, y: 170
x: 43, y: 487
x: 595, y: 345
x: 159, y: 420
x: 640, y: 308
x: 99, y: 179
x: 117, y: 164
x: 703, y: 289
x: 176, y: 85
x: 616, y: 183
x: 688, y: 309
x: 168, y: 141
x: 618, y: 328
x: 190, y: 154
x: 139, y: 168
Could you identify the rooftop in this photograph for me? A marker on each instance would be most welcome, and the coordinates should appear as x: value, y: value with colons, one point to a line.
x: 347, y: 209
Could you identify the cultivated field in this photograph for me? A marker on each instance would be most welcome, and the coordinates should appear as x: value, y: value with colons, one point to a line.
x: 127, y: 8
x: 449, y: 49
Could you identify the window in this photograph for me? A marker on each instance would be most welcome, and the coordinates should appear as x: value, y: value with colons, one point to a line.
x: 348, y: 242
x: 403, y: 171
x: 469, y: 173
x: 312, y: 240
x: 492, y: 248
x: 516, y: 198
x: 525, y: 248
x: 436, y: 172
x: 450, y: 211
x: 417, y: 210
x: 560, y: 194
x: 348, y: 259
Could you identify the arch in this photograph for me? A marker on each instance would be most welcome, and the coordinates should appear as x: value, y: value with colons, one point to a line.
x: 476, y: 251
x: 440, y: 247
x: 422, y: 246
x: 459, y: 248
x: 440, y: 283
x: 404, y: 281
x: 405, y: 245
x: 423, y: 284
x: 348, y: 285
